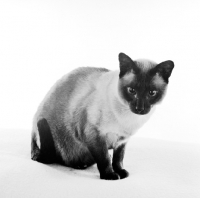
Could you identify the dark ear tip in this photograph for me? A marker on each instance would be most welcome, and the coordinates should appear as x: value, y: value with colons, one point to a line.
x: 167, y: 64
x: 171, y: 63
x: 121, y: 54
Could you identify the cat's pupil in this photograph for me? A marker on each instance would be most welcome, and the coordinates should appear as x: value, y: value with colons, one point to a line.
x: 152, y: 92
x: 131, y: 91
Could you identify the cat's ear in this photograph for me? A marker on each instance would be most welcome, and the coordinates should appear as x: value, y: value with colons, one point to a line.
x: 126, y: 65
x: 164, y: 69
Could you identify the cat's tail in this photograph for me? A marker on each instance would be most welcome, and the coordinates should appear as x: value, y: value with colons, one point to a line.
x: 46, y: 153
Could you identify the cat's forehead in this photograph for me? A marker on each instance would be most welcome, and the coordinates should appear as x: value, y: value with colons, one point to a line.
x: 145, y: 65
x: 146, y: 76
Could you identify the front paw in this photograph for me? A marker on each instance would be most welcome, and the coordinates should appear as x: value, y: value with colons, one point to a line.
x: 110, y: 176
x: 122, y: 173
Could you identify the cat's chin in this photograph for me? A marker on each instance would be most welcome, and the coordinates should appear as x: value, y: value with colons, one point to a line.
x: 140, y: 113
x: 144, y: 112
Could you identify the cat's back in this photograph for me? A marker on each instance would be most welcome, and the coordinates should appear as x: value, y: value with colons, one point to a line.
x: 66, y: 92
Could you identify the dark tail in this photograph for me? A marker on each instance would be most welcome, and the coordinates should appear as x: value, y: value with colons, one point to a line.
x: 47, y: 152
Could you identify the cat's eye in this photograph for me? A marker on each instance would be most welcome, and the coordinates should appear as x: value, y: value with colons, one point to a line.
x: 152, y: 93
x: 131, y: 90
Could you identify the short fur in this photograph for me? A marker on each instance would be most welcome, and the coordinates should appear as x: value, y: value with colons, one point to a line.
x: 91, y: 110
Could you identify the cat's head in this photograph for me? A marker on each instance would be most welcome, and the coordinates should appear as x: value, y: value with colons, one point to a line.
x: 142, y: 83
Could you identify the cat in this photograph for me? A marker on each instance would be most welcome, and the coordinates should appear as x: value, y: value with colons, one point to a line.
x: 91, y: 110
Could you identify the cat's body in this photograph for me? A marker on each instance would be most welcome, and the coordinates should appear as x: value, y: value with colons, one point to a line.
x: 88, y: 112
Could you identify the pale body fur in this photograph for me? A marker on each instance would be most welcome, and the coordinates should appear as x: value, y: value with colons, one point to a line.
x: 91, y: 95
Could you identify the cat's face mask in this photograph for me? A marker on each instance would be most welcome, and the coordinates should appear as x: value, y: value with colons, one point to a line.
x: 142, y: 83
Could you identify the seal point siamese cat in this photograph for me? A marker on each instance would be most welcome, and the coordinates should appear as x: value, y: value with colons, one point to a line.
x: 91, y: 110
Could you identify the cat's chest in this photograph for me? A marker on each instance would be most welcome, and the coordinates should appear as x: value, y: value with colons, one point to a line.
x: 120, y: 128
x: 123, y: 124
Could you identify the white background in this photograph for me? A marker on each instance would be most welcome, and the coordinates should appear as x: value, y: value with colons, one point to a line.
x: 42, y: 40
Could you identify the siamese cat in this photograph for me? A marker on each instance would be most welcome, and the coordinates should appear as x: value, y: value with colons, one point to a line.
x: 91, y: 110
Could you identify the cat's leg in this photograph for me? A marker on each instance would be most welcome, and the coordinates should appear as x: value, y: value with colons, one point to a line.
x: 99, y: 151
x: 118, y: 156
x: 46, y: 153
